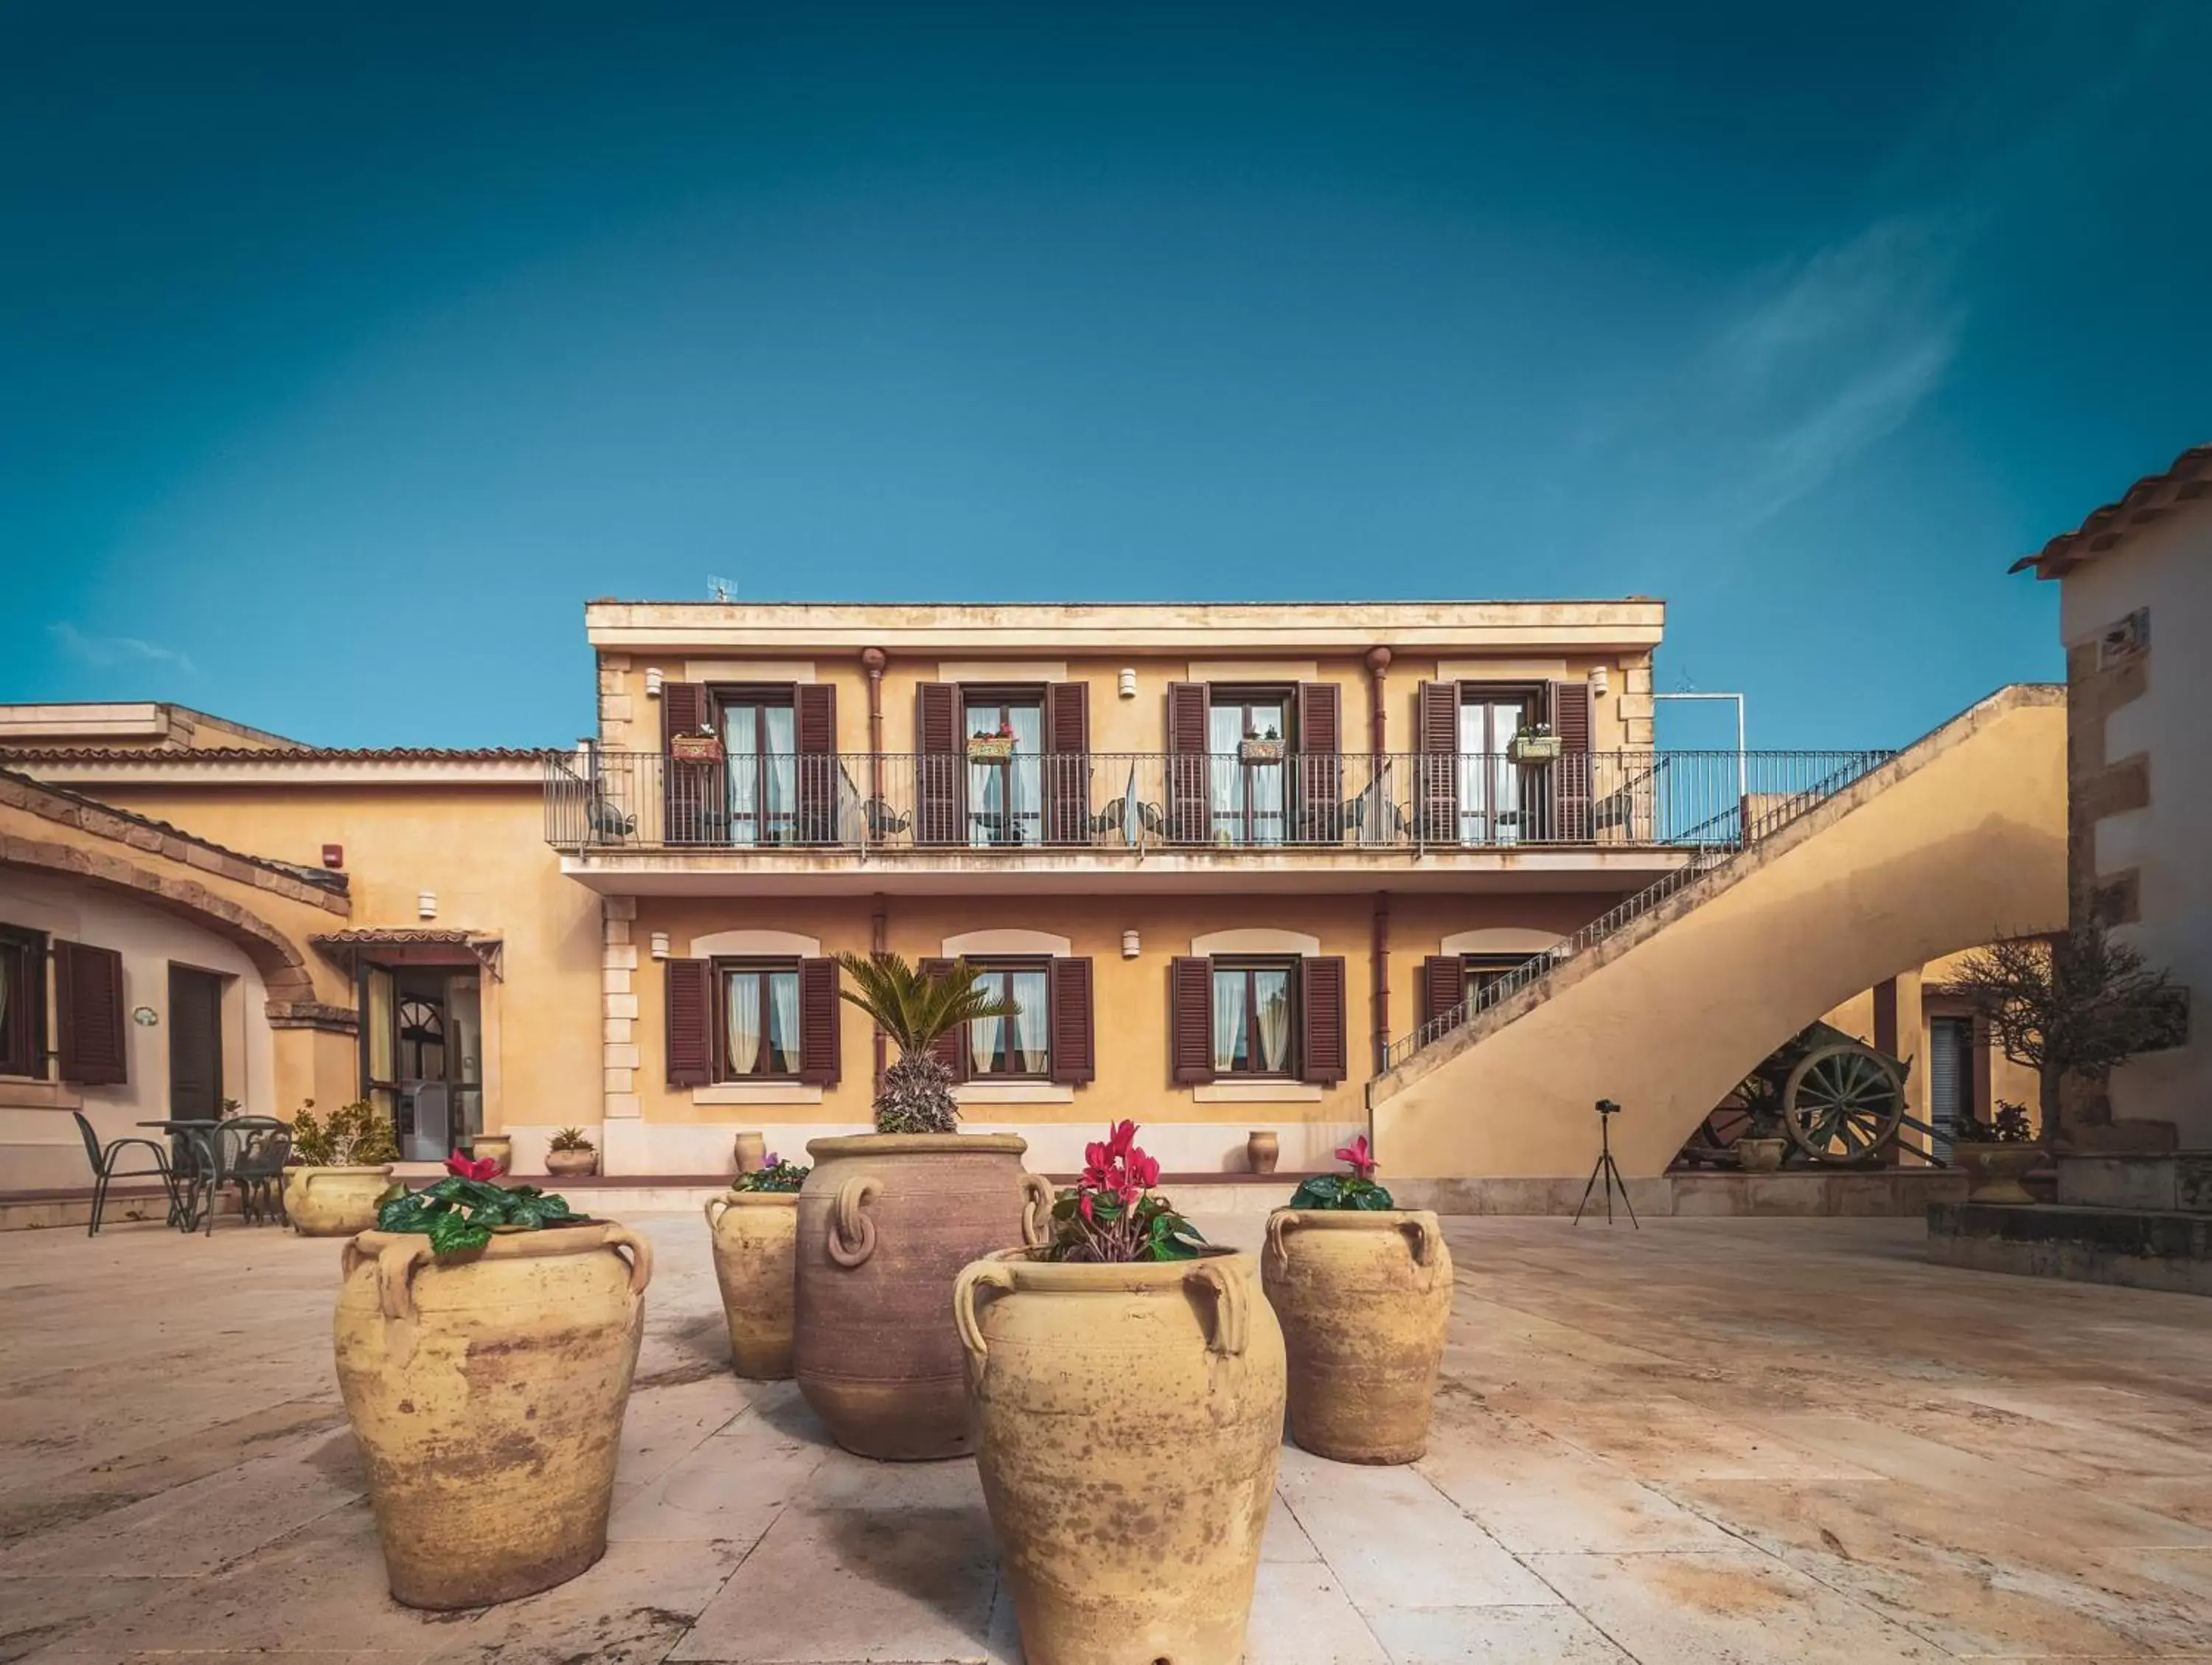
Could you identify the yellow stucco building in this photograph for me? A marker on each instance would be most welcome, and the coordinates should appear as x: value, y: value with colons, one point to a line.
x: 1240, y: 865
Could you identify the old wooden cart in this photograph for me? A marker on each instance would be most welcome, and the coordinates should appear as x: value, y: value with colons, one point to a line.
x: 1836, y: 1099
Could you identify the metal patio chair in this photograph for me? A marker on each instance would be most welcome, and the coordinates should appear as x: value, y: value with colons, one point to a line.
x: 255, y: 1148
x: 105, y: 1169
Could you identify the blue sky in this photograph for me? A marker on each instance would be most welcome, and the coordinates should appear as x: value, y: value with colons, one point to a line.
x: 344, y: 352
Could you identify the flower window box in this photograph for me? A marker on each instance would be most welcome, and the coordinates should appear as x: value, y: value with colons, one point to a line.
x: 1269, y: 751
x: 695, y: 748
x: 1533, y: 746
x: 990, y: 748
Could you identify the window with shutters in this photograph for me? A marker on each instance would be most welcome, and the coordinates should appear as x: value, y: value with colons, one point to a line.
x: 1256, y: 1016
x: 22, y: 1002
x: 92, y: 1042
x: 758, y: 1034
x: 1484, y: 971
x: 1018, y: 1049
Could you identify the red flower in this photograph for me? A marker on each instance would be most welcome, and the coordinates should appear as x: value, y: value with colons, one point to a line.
x: 1360, y: 1158
x: 463, y: 1167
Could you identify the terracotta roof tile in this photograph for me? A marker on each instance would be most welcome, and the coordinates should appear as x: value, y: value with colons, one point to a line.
x: 321, y: 877
x: 2148, y: 500
x: 286, y: 755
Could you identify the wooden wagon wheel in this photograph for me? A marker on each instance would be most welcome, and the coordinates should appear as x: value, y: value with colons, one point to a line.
x: 1843, y: 1102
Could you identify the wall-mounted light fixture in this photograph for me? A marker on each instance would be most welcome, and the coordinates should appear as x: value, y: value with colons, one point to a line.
x: 1598, y: 682
x: 1129, y: 945
x: 653, y: 682
x: 426, y: 905
x: 1128, y: 682
x: 660, y: 945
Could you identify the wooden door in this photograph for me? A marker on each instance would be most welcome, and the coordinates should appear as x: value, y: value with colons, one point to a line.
x: 195, y: 1043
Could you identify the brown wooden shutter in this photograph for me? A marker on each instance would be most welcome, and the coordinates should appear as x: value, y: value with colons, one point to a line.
x: 1067, y: 762
x: 1319, y: 787
x: 1190, y: 804
x: 1571, y: 775
x: 821, y: 1038
x: 940, y: 764
x: 690, y: 1017
x: 1320, y: 993
x: 90, y: 1036
x: 952, y: 1049
x: 1190, y: 1021
x: 692, y: 796
x: 1444, y: 985
x: 1074, y: 1051
x: 1436, y: 770
x: 814, y: 731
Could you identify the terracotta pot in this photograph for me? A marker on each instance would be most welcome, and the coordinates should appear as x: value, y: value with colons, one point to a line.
x: 498, y: 1147
x: 1129, y: 1420
x: 885, y: 1223
x: 1760, y: 1156
x: 487, y: 1391
x: 1262, y: 1149
x: 1994, y: 1172
x: 751, y: 1150
x: 1363, y: 1300
x: 334, y: 1202
x: 754, y: 1234
x: 572, y: 1164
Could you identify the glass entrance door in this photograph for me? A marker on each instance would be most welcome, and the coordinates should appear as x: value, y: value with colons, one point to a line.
x: 421, y: 1043
x: 1247, y: 788
x: 1490, y: 802
x: 758, y: 747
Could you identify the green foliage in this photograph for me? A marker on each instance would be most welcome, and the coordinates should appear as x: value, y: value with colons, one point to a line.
x: 776, y: 1176
x: 1113, y: 1230
x: 917, y: 1012
x: 1344, y: 1191
x: 460, y: 1213
x: 357, y: 1135
x: 570, y: 1139
x: 2010, y: 1127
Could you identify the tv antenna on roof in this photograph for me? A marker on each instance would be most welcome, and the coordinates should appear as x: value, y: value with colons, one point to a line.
x: 720, y: 589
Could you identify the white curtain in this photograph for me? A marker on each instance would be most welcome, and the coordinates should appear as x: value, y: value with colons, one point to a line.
x: 1274, y: 989
x: 741, y: 990
x: 982, y: 1044
x: 763, y: 789
x: 1026, y: 775
x: 783, y: 1016
x: 1224, y: 731
x: 1031, y: 1028
x: 780, y: 768
x: 1228, y: 1018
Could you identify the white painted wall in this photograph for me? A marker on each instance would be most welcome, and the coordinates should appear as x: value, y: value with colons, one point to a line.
x: 2167, y: 569
x: 39, y: 1144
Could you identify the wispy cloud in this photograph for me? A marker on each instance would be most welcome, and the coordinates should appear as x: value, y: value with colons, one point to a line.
x: 107, y: 652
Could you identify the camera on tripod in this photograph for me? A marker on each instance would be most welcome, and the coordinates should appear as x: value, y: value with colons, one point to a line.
x: 1607, y: 1171
x: 1607, y: 1107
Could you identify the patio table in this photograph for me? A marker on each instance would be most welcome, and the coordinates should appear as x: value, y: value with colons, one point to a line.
x: 199, y: 1134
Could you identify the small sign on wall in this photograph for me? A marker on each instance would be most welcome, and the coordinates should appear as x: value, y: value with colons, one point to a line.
x: 145, y: 1017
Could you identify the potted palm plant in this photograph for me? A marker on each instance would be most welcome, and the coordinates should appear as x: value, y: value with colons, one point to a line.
x: 570, y: 1154
x: 340, y: 1169
x: 485, y: 1338
x: 754, y: 1227
x: 1364, y: 1291
x: 887, y: 1219
x: 1128, y: 1384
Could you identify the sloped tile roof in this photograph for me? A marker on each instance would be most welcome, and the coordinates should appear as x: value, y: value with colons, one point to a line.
x: 2148, y: 500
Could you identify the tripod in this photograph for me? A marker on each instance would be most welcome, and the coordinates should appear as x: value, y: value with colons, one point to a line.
x: 1608, y: 1169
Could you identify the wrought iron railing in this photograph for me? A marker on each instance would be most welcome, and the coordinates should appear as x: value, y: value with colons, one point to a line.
x: 1262, y: 798
x: 1758, y: 815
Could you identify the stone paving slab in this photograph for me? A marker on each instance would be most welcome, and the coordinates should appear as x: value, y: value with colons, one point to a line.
x: 1710, y: 1441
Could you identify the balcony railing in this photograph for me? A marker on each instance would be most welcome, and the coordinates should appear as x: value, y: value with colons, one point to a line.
x: 1258, y: 799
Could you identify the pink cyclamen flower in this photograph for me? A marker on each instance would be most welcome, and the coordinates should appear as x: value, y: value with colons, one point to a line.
x: 1358, y: 1156
x: 463, y: 1167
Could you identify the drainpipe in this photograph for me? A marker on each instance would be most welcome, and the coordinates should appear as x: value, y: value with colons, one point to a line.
x: 879, y: 938
x: 1381, y: 973
x: 1378, y: 666
x: 872, y: 659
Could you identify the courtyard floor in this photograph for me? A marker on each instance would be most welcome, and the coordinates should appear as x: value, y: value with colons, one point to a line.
x: 1710, y: 1441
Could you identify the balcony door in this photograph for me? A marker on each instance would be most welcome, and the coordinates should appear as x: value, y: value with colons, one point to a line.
x: 760, y: 743
x: 1246, y: 785
x: 1006, y: 765
x: 1490, y: 807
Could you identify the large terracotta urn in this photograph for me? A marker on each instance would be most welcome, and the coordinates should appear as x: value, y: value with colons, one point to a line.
x: 487, y: 1389
x: 1128, y: 1422
x: 886, y: 1221
x: 1363, y: 1299
x: 1994, y: 1172
x: 754, y: 1234
x: 334, y: 1202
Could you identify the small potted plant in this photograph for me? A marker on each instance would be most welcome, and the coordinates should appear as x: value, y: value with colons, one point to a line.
x: 1533, y: 742
x: 1364, y: 1290
x: 887, y: 1219
x: 485, y: 1336
x: 570, y: 1154
x: 1762, y: 1144
x: 1996, y: 1155
x: 340, y: 1169
x: 754, y: 1228
x: 1126, y: 1361
x: 989, y: 746
x: 1261, y: 748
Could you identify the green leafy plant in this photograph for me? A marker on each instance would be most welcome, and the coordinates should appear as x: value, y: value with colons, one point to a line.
x: 357, y: 1135
x: 1110, y: 1215
x: 1354, y: 1190
x: 917, y: 1012
x: 773, y: 1175
x: 461, y: 1211
x: 2008, y: 1127
x: 570, y: 1139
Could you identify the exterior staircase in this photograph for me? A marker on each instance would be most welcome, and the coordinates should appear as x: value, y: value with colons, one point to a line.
x: 1668, y: 1001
